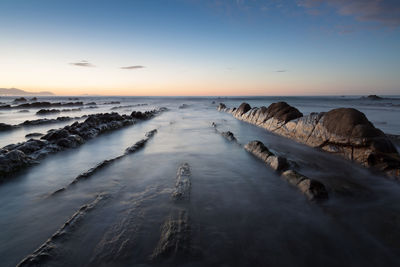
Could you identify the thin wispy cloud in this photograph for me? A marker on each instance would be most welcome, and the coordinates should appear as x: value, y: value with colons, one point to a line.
x: 135, y: 67
x: 386, y: 12
x: 281, y: 71
x: 82, y: 63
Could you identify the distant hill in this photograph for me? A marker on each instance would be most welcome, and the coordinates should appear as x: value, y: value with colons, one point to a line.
x: 15, y: 91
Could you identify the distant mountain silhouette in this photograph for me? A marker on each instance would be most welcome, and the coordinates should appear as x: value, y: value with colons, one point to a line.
x: 15, y: 91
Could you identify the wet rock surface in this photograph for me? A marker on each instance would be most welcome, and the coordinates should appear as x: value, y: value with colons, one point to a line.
x: 343, y: 131
x: 312, y: 189
x: 47, y: 111
x: 175, y: 237
x: 48, y: 250
x: 183, y: 183
x: 48, y: 104
x: 17, y: 156
x: 258, y: 149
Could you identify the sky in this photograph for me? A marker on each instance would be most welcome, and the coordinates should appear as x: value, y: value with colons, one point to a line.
x: 201, y: 47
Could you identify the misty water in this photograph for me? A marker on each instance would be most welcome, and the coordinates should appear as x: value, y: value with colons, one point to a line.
x: 240, y: 212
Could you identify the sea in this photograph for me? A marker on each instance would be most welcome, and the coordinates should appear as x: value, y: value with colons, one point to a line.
x: 238, y: 213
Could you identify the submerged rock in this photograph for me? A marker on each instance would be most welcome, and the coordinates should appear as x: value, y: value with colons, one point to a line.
x: 373, y: 97
x: 47, y: 250
x: 48, y: 104
x: 33, y: 135
x: 343, y: 131
x: 20, y: 100
x: 183, y: 183
x: 6, y: 127
x: 313, y: 189
x: 258, y: 149
x: 229, y: 135
x: 47, y: 111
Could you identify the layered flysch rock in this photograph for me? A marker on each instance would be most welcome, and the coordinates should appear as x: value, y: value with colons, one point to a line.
x: 343, y: 131
x: 17, y: 156
x: 312, y: 189
x: 48, y: 250
x: 175, y: 239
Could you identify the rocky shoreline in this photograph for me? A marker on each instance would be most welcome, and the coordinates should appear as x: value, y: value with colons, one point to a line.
x: 15, y: 157
x: 343, y: 131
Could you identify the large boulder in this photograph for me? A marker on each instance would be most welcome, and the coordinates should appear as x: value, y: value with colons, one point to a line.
x: 242, y: 109
x: 282, y: 111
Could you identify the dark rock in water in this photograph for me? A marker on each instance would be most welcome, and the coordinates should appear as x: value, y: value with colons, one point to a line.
x: 47, y: 250
x: 112, y: 103
x: 47, y: 111
x: 258, y: 149
x: 183, y: 106
x: 213, y: 102
x: 13, y: 161
x: 6, y: 127
x: 229, y: 135
x: 183, y: 183
x: 70, y: 109
x: 34, y: 99
x: 73, y: 98
x: 33, y: 135
x: 5, y: 106
x: 46, y: 121
x: 175, y: 238
x: 213, y: 124
x: 313, y: 189
x: 91, y: 104
x: 374, y: 97
x: 48, y: 104
x: 23, y: 111
x: 20, y: 100
x: 344, y: 131
x: 221, y: 107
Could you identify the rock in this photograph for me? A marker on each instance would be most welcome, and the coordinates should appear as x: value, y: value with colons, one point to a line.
x: 374, y: 97
x: 48, y: 104
x: 229, y: 135
x: 221, y: 107
x: 242, y: 109
x: 6, y: 127
x: 33, y: 135
x: 282, y: 112
x: 13, y: 161
x: 73, y: 98
x: 343, y: 131
x: 19, y: 100
x: 47, y: 111
x: 5, y: 106
x: 112, y: 103
x: 183, y: 183
x: 312, y: 189
x: 15, y: 156
x: 34, y: 99
x: 91, y: 104
x: 258, y: 149
x: 23, y: 111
